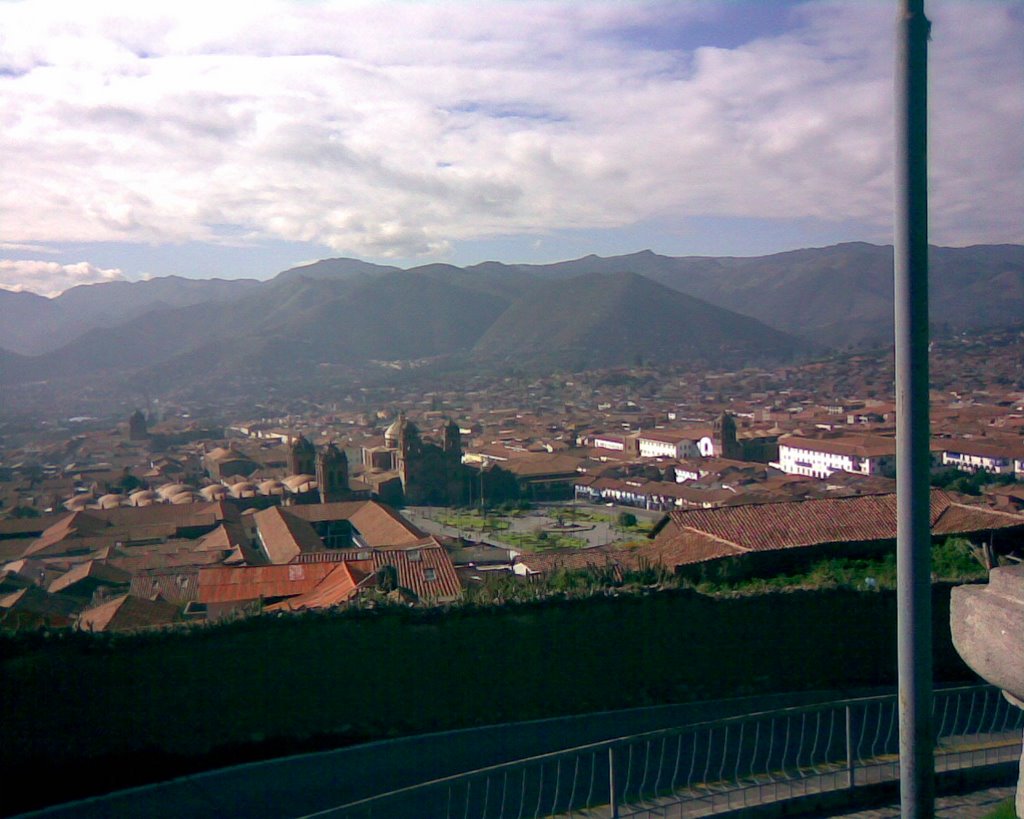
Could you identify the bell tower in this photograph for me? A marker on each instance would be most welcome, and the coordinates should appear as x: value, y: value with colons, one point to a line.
x: 301, y: 457
x: 332, y: 474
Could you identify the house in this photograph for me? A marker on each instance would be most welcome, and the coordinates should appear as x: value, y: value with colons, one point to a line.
x: 773, y: 535
x: 821, y: 457
x: 697, y: 442
x: 225, y: 590
x: 128, y: 613
x: 996, y: 456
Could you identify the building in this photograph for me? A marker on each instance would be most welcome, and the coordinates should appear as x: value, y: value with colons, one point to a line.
x: 428, y: 473
x: 775, y: 536
x: 821, y: 457
x: 665, y: 443
x: 137, y: 430
x: 973, y: 455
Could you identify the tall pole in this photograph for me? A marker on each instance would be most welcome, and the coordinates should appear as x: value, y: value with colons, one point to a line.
x: 913, y: 459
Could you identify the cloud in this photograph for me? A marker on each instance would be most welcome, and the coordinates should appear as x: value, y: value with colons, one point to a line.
x: 52, y: 278
x: 385, y: 129
x: 25, y: 248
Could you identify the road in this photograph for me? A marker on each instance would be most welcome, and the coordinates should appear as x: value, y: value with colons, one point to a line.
x: 304, y: 784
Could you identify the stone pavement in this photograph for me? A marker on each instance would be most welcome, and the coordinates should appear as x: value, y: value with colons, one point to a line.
x: 961, y: 806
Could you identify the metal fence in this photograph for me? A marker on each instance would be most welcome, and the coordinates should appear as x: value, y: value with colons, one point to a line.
x: 716, y: 767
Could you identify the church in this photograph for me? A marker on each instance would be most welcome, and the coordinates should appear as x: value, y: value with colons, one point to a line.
x: 422, y: 473
x: 329, y: 465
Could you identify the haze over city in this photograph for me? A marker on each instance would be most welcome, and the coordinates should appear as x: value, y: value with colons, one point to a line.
x: 238, y: 141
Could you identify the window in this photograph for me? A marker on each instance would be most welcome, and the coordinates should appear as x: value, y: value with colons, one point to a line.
x: 429, y: 574
x: 415, y: 555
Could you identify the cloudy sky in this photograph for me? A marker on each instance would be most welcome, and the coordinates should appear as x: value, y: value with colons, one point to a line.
x: 203, y: 139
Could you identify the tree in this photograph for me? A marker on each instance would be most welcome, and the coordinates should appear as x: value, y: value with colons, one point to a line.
x: 627, y: 520
x: 387, y: 578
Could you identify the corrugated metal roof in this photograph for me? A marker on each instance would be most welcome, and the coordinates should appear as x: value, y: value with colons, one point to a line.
x: 224, y: 584
x: 340, y: 585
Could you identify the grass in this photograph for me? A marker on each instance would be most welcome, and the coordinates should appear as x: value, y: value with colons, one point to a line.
x: 473, y: 521
x: 952, y: 560
x: 537, y: 541
x: 1004, y: 810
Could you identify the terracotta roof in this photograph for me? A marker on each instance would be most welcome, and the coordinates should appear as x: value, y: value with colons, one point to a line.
x: 40, y: 605
x: 97, y: 572
x: 173, y: 585
x: 544, y: 562
x: 860, y: 446
x: 703, y: 534
x: 27, y: 527
x: 674, y: 436
x: 75, y: 524
x: 128, y: 613
x: 537, y: 465
x: 378, y: 524
x: 981, y: 447
x: 283, y: 535
x: 412, y: 563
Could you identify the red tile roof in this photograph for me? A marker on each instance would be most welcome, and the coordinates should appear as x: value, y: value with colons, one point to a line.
x: 705, y: 534
x: 412, y: 563
x: 128, y: 613
x: 283, y: 535
x: 377, y: 523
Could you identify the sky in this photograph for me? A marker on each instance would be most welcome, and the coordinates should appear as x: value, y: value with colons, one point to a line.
x: 238, y: 140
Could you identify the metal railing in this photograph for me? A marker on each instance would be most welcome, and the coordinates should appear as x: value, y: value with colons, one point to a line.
x: 715, y: 767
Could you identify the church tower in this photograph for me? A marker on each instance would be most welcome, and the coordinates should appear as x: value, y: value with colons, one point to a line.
x: 726, y: 443
x: 137, y: 427
x: 301, y: 457
x: 451, y: 441
x: 332, y: 474
x: 409, y: 450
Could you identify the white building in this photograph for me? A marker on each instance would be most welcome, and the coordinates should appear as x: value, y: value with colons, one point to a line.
x: 996, y: 457
x: 821, y: 457
x: 616, y: 443
x: 681, y: 443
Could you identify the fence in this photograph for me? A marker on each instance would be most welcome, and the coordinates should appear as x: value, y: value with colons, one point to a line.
x: 716, y: 767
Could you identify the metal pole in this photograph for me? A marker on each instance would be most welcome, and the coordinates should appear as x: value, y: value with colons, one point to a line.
x: 913, y: 460
x: 849, y: 748
x: 613, y: 796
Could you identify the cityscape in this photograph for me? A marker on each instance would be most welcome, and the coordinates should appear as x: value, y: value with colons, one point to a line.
x: 401, y: 435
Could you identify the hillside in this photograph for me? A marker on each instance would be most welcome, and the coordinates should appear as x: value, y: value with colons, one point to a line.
x: 32, y: 325
x: 605, y: 319
x: 833, y: 295
x: 344, y: 311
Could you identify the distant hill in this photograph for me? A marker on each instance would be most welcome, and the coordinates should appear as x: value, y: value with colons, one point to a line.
x: 26, y: 321
x: 399, y: 315
x: 34, y: 324
x: 833, y: 295
x: 335, y: 269
x: 606, y: 319
x: 588, y: 311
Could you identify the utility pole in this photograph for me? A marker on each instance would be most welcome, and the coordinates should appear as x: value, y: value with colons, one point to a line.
x: 913, y: 459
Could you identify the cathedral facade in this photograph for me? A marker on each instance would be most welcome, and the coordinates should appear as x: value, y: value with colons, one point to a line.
x: 431, y: 473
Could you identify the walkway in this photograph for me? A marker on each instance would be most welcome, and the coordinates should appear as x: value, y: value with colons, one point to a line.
x: 973, y: 805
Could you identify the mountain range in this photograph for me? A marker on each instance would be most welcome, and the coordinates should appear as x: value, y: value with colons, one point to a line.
x: 588, y: 312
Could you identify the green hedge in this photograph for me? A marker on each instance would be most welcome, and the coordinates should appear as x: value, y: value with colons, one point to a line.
x: 81, y: 700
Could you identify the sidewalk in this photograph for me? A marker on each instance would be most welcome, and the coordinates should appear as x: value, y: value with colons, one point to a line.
x: 961, y: 806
